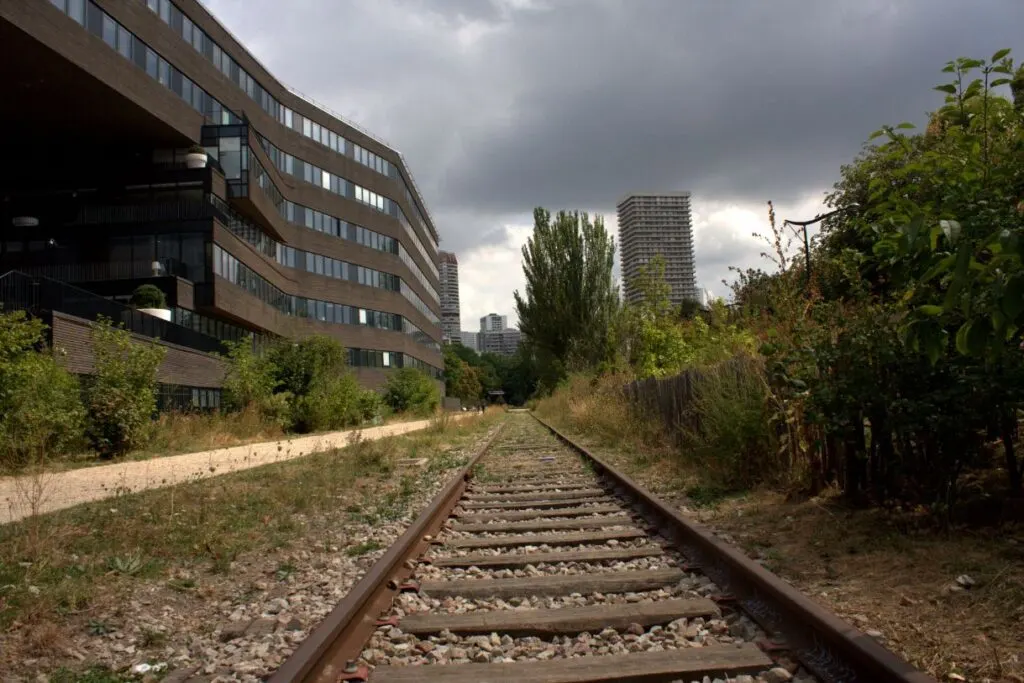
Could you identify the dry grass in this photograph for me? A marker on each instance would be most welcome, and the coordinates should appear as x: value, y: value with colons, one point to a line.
x: 61, y: 567
x: 595, y: 407
x: 188, y: 432
x: 892, y: 574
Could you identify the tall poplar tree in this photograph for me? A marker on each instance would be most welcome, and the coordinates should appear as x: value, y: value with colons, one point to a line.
x: 570, y: 300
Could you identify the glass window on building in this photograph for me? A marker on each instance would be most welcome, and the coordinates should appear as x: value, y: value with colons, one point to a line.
x: 230, y: 157
x: 109, y: 32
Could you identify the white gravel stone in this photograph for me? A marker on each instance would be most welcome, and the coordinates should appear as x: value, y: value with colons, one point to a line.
x: 432, y: 573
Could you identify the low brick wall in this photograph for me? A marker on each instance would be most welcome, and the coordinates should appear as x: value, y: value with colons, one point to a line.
x: 71, y: 336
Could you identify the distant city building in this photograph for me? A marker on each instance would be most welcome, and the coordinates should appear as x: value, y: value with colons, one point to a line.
x: 658, y: 223
x: 492, y: 322
x: 496, y: 336
x: 451, y: 320
x: 469, y: 340
x: 504, y: 342
x: 706, y: 297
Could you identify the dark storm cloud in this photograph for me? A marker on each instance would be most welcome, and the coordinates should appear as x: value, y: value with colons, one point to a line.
x: 575, y: 102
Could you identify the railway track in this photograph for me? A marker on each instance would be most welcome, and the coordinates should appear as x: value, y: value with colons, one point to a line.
x: 543, y: 564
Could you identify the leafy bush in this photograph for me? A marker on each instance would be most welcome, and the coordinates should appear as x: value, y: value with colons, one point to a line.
x: 461, y: 379
x: 298, y: 365
x: 148, y: 296
x: 41, y: 412
x: 332, y: 402
x: 121, y: 396
x: 727, y: 425
x: 323, y: 392
x: 371, y: 406
x: 409, y: 390
x: 249, y: 381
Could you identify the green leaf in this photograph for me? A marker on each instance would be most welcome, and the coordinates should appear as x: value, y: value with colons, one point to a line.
x: 930, y: 309
x: 1011, y: 242
x: 1013, y: 297
x: 963, y: 262
x: 947, y: 88
x: 876, y: 134
x: 973, y: 336
x: 941, y: 267
x: 998, y: 323
x: 1000, y: 54
x: 906, y: 125
x: 999, y: 81
x: 951, y: 229
x: 978, y: 335
x: 932, y: 340
x: 961, y: 337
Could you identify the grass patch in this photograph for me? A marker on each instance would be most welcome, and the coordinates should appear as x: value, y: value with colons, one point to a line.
x: 708, y: 495
x: 361, y: 549
x: 53, y: 566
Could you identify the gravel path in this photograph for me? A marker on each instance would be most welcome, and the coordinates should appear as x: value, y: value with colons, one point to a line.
x: 22, y: 496
x: 238, y: 625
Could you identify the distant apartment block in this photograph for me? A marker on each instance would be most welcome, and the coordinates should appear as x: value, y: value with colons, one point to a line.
x: 658, y: 223
x: 451, y: 321
x: 469, y: 340
x: 504, y: 342
x: 492, y: 322
x: 496, y: 336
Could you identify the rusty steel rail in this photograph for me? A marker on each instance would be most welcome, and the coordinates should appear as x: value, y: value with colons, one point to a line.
x: 329, y: 653
x: 828, y: 646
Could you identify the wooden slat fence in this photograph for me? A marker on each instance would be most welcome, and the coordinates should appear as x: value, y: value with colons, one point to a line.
x: 672, y: 398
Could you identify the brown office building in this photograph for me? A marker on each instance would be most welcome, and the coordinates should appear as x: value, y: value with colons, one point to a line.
x: 289, y: 220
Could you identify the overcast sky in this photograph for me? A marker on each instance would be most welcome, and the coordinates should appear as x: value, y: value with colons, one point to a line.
x: 503, y: 105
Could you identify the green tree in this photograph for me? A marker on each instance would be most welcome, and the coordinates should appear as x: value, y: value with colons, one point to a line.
x: 461, y: 379
x: 409, y: 390
x: 652, y: 336
x: 465, y: 353
x: 41, y: 412
x: 298, y: 365
x: 321, y: 391
x: 570, y: 300
x: 249, y: 381
x: 953, y: 249
x: 121, y: 396
x: 519, y: 377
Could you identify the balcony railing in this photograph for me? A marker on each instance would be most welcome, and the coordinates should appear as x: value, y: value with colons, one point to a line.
x: 105, y: 270
x: 180, y: 210
x: 40, y: 295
